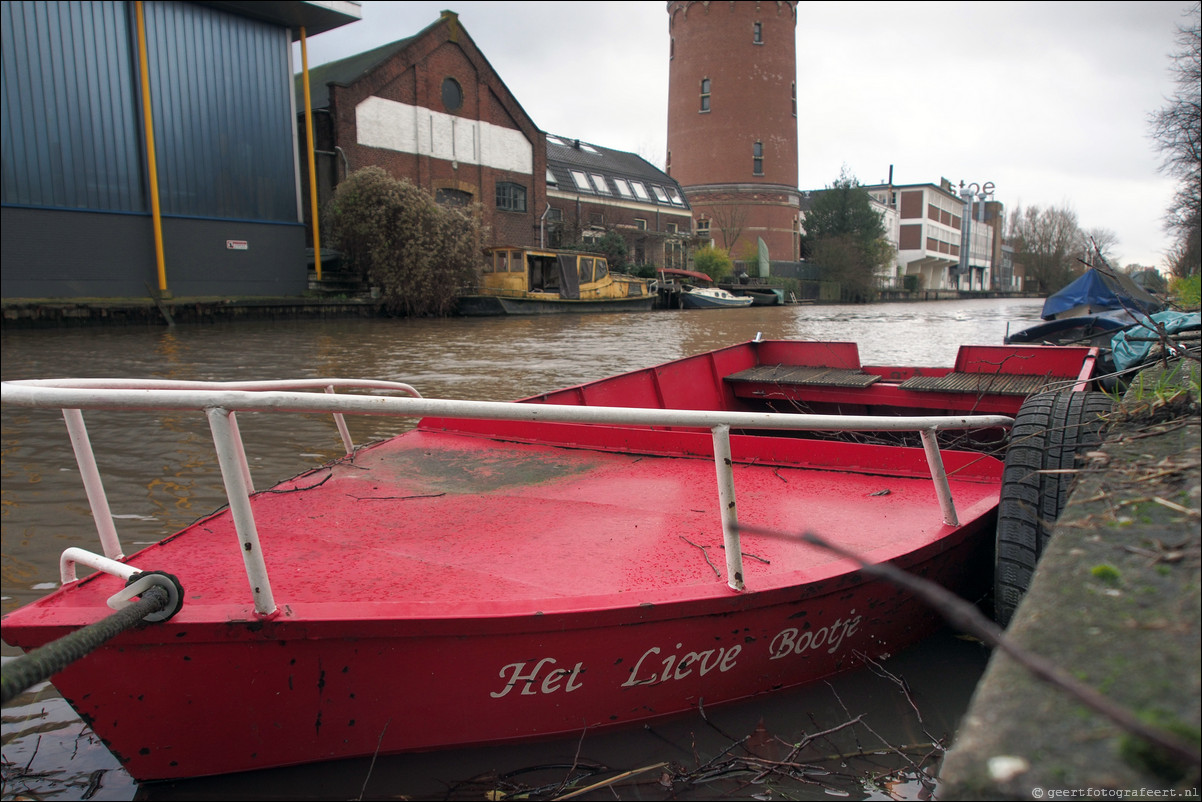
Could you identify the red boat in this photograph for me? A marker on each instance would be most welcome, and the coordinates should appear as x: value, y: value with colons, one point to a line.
x: 571, y: 561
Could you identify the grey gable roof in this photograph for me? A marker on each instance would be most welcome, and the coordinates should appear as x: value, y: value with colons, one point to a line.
x: 565, y: 154
x: 344, y: 72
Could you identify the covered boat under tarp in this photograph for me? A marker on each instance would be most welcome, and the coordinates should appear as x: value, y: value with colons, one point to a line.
x: 1101, y: 289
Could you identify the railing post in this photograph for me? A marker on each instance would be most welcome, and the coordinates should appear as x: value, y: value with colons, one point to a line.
x: 97, y: 500
x: 240, y: 453
x: 343, y: 432
x: 724, y: 466
x: 942, y: 489
x: 238, y: 492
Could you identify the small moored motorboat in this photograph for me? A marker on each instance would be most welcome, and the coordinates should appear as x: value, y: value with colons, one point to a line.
x: 591, y: 557
x: 713, y: 298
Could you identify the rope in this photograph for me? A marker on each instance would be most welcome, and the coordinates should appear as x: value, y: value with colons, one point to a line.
x: 26, y: 671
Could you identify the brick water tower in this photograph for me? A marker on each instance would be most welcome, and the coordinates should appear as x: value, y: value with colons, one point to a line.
x: 732, y: 121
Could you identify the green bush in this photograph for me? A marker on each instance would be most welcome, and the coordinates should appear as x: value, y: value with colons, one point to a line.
x: 419, y: 254
x: 613, y: 247
x: 714, y: 262
x: 1185, y: 292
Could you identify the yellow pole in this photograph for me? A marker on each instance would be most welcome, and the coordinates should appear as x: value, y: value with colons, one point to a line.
x: 152, y: 168
x: 312, y: 159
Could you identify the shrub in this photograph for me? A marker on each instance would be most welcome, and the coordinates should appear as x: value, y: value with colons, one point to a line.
x: 1185, y: 292
x: 714, y: 262
x: 419, y: 254
x: 613, y: 246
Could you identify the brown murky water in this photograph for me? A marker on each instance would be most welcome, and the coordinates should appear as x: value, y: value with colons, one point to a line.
x: 160, y: 475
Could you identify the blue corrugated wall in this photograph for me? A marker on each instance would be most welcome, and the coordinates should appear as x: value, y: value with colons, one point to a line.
x: 73, y: 142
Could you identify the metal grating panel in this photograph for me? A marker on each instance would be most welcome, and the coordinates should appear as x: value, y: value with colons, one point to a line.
x: 805, y: 375
x: 998, y: 383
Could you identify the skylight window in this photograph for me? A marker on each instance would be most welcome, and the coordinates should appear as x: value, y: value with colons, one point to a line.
x: 640, y: 190
x: 623, y: 188
x: 588, y: 148
x: 556, y: 141
x: 599, y: 182
x: 551, y: 179
x: 659, y: 193
x: 675, y: 196
x: 581, y: 181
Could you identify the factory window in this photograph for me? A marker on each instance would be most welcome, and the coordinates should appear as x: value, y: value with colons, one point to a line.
x: 511, y: 197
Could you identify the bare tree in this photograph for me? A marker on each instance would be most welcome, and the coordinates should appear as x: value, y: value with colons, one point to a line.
x: 1048, y: 243
x: 730, y: 219
x: 1176, y: 129
x: 1102, y: 242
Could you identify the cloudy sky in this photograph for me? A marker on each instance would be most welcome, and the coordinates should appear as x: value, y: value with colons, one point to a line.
x: 1048, y: 100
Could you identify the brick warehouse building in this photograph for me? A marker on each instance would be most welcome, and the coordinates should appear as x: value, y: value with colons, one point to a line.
x: 732, y: 121
x: 431, y: 108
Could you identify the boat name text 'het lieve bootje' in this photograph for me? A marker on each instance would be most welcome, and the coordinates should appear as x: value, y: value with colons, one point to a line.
x: 786, y: 642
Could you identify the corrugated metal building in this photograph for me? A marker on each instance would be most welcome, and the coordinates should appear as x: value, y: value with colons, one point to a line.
x: 77, y: 200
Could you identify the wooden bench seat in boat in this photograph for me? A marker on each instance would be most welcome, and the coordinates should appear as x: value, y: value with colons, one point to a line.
x: 832, y: 378
x: 805, y: 375
x: 1000, y: 383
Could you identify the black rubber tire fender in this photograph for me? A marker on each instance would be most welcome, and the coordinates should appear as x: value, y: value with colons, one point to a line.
x: 1050, y: 432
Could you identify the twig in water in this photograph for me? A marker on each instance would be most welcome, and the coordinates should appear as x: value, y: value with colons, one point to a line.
x: 881, y: 671
x: 371, y: 767
x: 575, y: 762
x: 617, y: 778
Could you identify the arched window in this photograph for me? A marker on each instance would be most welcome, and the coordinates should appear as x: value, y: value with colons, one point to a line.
x: 452, y: 197
x: 452, y: 94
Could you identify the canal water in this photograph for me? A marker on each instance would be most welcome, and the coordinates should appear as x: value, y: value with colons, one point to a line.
x: 887, y: 722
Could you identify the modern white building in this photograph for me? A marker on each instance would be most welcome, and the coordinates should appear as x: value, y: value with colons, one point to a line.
x: 930, y: 221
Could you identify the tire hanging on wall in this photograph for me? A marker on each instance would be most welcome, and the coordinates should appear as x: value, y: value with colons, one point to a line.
x: 1049, y: 432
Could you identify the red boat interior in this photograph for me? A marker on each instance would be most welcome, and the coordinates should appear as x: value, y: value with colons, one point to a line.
x: 491, y: 518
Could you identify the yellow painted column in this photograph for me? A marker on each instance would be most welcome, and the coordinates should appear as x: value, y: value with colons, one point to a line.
x: 310, y: 154
x: 152, y: 169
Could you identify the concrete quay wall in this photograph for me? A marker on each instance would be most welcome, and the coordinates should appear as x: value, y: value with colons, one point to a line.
x: 1116, y: 602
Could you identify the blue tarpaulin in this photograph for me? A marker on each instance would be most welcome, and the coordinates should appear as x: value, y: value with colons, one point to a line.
x: 1132, y: 346
x: 1099, y: 290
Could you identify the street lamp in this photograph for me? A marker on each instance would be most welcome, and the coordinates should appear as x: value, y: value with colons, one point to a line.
x: 981, y: 191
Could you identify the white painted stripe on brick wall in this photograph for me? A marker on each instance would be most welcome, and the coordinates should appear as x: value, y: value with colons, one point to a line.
x: 412, y: 129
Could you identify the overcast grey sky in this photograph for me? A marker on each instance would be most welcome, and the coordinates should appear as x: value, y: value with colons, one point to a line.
x: 1048, y: 100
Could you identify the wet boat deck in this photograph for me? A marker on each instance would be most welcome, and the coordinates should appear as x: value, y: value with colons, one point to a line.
x: 476, y: 526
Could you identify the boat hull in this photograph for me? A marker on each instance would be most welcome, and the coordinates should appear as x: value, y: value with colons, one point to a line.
x: 244, y: 695
x: 695, y: 300
x: 493, y: 305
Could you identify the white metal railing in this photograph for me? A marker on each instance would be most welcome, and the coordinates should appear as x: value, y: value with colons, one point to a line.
x: 220, y: 400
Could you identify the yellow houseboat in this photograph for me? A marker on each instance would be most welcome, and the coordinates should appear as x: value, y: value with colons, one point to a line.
x: 528, y: 281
